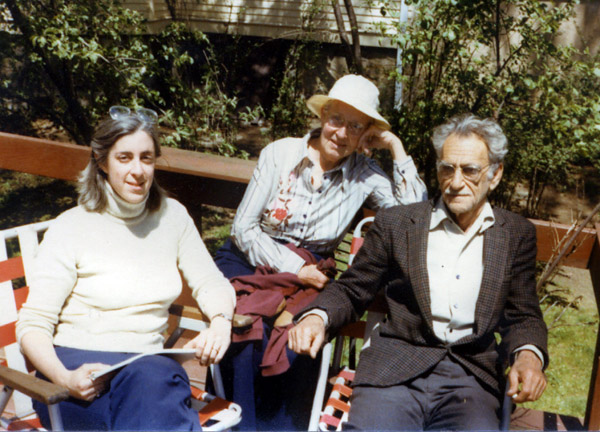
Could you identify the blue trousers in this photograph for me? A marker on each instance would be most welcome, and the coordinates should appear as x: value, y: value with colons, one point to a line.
x: 444, y: 398
x: 281, y: 402
x: 152, y: 393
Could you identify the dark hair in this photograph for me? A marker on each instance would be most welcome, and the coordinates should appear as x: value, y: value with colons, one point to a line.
x: 92, y: 188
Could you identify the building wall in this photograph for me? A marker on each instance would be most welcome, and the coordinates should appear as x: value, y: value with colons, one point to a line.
x: 265, y: 18
x: 584, y: 30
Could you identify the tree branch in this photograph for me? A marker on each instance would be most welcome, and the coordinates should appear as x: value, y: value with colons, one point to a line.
x: 64, y: 87
x: 337, y: 12
x: 355, y: 36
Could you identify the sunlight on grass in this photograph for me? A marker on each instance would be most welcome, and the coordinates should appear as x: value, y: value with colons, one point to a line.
x: 571, y: 347
x: 216, y: 226
x: 25, y: 198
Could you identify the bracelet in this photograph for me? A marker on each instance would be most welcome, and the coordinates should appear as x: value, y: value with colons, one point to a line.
x: 222, y: 315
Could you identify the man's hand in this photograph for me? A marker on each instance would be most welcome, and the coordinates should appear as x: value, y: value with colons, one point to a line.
x: 527, y: 373
x: 312, y: 277
x: 308, y: 336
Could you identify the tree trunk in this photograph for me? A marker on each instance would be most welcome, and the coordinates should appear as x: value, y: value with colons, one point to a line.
x: 172, y: 6
x: 352, y: 50
x: 355, y: 36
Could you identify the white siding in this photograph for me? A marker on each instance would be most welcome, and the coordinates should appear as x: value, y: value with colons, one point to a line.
x: 266, y: 18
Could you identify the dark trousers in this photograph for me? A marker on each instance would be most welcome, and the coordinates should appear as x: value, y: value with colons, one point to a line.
x: 281, y: 402
x: 152, y: 393
x: 445, y: 398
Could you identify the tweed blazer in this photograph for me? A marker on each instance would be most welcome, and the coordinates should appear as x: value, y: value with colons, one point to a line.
x: 403, y: 346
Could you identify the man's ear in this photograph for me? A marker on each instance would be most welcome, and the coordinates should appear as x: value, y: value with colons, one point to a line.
x: 497, y: 176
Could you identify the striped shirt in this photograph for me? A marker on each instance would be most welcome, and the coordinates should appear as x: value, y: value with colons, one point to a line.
x: 281, y: 203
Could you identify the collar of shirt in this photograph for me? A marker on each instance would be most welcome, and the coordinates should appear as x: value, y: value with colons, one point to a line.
x: 441, y: 214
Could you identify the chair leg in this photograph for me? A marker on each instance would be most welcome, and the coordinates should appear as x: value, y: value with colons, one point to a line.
x: 507, y: 406
x: 55, y: 418
x: 337, y: 355
x: 215, y: 371
x: 5, y: 397
x: 317, y: 405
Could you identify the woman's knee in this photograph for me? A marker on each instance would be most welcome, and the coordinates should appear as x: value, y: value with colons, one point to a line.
x: 153, y: 370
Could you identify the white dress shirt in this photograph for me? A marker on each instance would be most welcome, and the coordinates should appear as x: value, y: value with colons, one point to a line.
x: 455, y: 268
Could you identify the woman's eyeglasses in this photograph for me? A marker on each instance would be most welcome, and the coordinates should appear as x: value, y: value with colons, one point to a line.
x: 337, y: 120
x: 147, y: 115
x: 469, y: 172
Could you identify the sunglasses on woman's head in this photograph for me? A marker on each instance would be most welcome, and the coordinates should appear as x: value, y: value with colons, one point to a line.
x: 147, y: 115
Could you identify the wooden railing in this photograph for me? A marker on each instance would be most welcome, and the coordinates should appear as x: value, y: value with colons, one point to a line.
x: 197, y: 178
x: 193, y: 177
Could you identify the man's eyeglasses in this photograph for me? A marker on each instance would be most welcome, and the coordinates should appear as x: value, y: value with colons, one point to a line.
x: 337, y: 120
x: 469, y: 172
x: 147, y: 115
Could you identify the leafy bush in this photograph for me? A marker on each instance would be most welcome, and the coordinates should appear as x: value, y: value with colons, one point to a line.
x: 500, y: 59
x: 68, y: 62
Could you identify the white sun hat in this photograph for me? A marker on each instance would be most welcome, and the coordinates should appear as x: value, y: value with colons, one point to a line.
x: 356, y: 91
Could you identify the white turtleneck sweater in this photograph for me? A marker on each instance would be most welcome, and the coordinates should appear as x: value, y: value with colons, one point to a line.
x: 105, y: 281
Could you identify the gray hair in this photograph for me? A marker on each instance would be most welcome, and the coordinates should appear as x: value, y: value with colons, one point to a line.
x: 92, y: 187
x: 467, y: 124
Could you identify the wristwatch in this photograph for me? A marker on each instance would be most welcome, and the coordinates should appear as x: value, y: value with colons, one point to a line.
x: 223, y: 315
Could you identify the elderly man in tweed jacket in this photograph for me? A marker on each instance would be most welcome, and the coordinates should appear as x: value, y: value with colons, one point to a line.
x: 454, y: 272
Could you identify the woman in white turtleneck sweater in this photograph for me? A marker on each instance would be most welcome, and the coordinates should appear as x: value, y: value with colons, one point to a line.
x: 103, y: 280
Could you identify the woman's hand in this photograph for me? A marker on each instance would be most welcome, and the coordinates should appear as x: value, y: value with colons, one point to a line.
x: 376, y: 138
x: 212, y: 343
x: 38, y: 347
x: 312, y: 277
x: 80, y: 384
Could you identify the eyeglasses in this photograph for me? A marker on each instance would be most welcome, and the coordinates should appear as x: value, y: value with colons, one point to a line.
x: 147, y: 115
x: 337, y: 120
x: 469, y: 172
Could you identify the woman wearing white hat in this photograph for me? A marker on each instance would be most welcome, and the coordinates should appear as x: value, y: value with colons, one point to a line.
x: 306, y: 191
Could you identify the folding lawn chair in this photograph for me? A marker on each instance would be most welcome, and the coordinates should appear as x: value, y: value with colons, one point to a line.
x: 215, y: 412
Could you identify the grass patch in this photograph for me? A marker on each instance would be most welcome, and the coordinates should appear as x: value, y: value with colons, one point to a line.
x: 571, y: 344
x: 25, y: 198
x: 216, y: 226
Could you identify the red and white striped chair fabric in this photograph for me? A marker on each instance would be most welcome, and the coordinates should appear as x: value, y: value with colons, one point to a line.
x: 14, y: 371
x: 337, y: 408
x: 335, y: 411
x: 215, y: 413
x: 357, y: 238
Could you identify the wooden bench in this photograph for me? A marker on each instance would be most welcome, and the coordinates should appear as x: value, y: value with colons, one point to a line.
x: 198, y: 179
